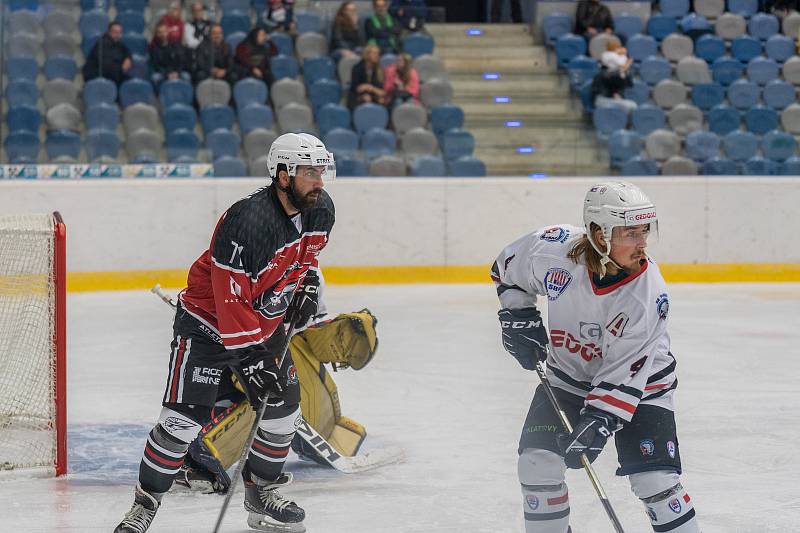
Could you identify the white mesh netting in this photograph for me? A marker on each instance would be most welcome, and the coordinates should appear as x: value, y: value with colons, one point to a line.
x: 27, y: 330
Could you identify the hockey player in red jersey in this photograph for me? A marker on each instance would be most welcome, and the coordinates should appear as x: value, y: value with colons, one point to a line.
x: 607, y: 354
x: 261, y: 267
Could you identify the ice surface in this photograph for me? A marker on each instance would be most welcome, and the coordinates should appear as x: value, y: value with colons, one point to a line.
x: 443, y: 388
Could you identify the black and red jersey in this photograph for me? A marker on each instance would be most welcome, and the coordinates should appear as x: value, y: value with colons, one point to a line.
x: 243, y: 284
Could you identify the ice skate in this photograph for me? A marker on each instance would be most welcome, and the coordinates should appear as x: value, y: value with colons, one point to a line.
x: 269, y: 511
x: 141, y: 515
x: 193, y: 480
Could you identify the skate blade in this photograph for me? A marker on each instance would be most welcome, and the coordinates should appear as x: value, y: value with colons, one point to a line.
x: 265, y: 523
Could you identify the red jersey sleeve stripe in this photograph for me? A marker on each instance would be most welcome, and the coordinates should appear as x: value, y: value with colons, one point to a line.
x: 615, y: 402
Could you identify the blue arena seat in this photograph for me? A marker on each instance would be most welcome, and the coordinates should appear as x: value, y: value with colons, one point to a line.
x: 743, y: 94
x: 22, y: 147
x: 23, y: 118
x: 130, y: 5
x: 284, y: 66
x: 323, y: 92
x: 726, y: 70
x: 674, y: 8
x: 179, y: 117
x: 790, y: 167
x: 234, y: 39
x: 342, y: 142
x: 457, y: 143
x: 763, y: 26
x: 569, y: 46
x: 388, y: 59
x: 702, y: 145
x: 88, y: 5
x: 745, y: 8
x: 759, y: 166
x: 660, y: 25
x: 623, y: 145
x: 250, y: 91
x: 647, y: 118
x: 18, y: 5
x: 22, y: 68
x: 740, y: 145
x: 626, y: 25
x: 417, y: 44
x: 377, y: 142
x: 639, y: 92
x: 582, y: 69
x: 307, y: 21
x: 761, y: 119
x: 103, y: 116
x: 640, y: 166
x: 214, y: 117
x: 779, y: 145
x: 318, y: 68
x: 466, y: 167
x: 555, y: 25
x: 22, y: 92
x: 719, y: 166
x: 586, y: 95
x: 284, y: 43
x: 641, y: 47
x: 654, y: 69
x: 609, y: 119
x: 331, y: 116
x: 60, y: 67
x: 779, y: 94
x: 780, y: 48
x: 172, y: 92
x: 350, y: 167
x: 255, y: 116
x: 744, y: 48
x: 132, y: 21
x: 222, y: 142
x: 227, y: 6
x: 93, y: 23
x: 709, y: 47
x: 707, y: 95
x: 723, y: 119
x: 229, y: 167
x: 62, y: 143
x: 135, y: 91
x: 102, y: 143
x: 182, y: 144
x: 762, y: 70
x: 429, y: 166
x: 368, y: 116
x: 136, y: 43
x: 98, y: 91
x: 235, y: 22
x: 446, y: 117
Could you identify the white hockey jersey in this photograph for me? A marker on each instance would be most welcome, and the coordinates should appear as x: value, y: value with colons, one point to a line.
x: 609, y: 345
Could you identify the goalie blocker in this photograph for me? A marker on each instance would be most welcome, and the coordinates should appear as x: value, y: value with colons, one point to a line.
x: 348, y: 340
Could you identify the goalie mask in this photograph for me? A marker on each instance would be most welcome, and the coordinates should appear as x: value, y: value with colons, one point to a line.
x: 615, y: 204
x: 294, y: 150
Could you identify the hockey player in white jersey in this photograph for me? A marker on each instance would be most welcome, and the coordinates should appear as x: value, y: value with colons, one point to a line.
x: 608, y: 357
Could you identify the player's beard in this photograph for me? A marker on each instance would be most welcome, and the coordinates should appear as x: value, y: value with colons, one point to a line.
x: 301, y: 202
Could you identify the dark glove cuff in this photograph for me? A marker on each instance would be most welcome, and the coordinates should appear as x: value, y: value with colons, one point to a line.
x: 524, y: 313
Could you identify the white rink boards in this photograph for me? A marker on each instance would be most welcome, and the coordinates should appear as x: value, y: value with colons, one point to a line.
x: 442, y: 387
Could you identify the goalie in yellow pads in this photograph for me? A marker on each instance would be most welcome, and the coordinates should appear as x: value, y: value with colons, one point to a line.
x: 348, y: 340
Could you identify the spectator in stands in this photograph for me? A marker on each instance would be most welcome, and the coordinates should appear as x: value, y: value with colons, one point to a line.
x: 400, y: 82
x: 366, y: 81
x: 592, y: 18
x: 109, y: 57
x: 279, y: 15
x: 167, y: 58
x: 781, y: 8
x: 213, y: 58
x: 172, y: 19
x: 610, y: 83
x: 346, y: 40
x: 253, y: 55
x: 516, y: 11
x: 197, y: 29
x: 410, y: 14
x: 381, y: 29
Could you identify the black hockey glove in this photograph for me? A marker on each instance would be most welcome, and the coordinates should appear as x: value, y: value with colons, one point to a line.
x: 588, y: 437
x: 524, y: 335
x: 305, y: 301
x: 259, y: 374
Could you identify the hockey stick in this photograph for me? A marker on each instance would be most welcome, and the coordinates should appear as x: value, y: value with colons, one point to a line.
x: 598, y: 488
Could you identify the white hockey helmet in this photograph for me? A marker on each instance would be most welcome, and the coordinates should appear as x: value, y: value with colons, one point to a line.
x: 294, y: 149
x: 616, y: 203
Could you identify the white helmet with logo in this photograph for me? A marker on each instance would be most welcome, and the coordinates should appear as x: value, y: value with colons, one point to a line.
x: 294, y: 149
x: 616, y: 203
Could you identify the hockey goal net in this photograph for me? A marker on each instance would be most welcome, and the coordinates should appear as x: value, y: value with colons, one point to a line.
x: 32, y: 342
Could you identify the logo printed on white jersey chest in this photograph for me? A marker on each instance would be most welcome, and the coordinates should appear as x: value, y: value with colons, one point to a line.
x: 556, y: 280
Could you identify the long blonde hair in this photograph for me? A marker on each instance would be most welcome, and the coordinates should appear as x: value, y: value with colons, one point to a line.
x: 583, y: 250
x: 377, y: 67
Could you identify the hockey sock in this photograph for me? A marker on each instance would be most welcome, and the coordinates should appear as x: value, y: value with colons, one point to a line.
x: 165, y: 450
x: 545, y: 500
x: 272, y: 442
x: 669, y: 509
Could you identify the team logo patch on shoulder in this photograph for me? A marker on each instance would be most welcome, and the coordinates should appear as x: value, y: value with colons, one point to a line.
x: 556, y: 281
x: 555, y: 234
x: 647, y: 447
x: 662, y: 305
x: 291, y: 375
x: 671, y: 449
x: 675, y: 505
x: 533, y: 501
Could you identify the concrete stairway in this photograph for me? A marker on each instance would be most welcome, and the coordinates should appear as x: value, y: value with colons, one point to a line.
x: 551, y: 120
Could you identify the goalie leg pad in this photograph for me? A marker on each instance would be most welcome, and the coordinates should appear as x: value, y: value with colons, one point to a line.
x: 273, y: 440
x: 666, y: 502
x: 545, y: 500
